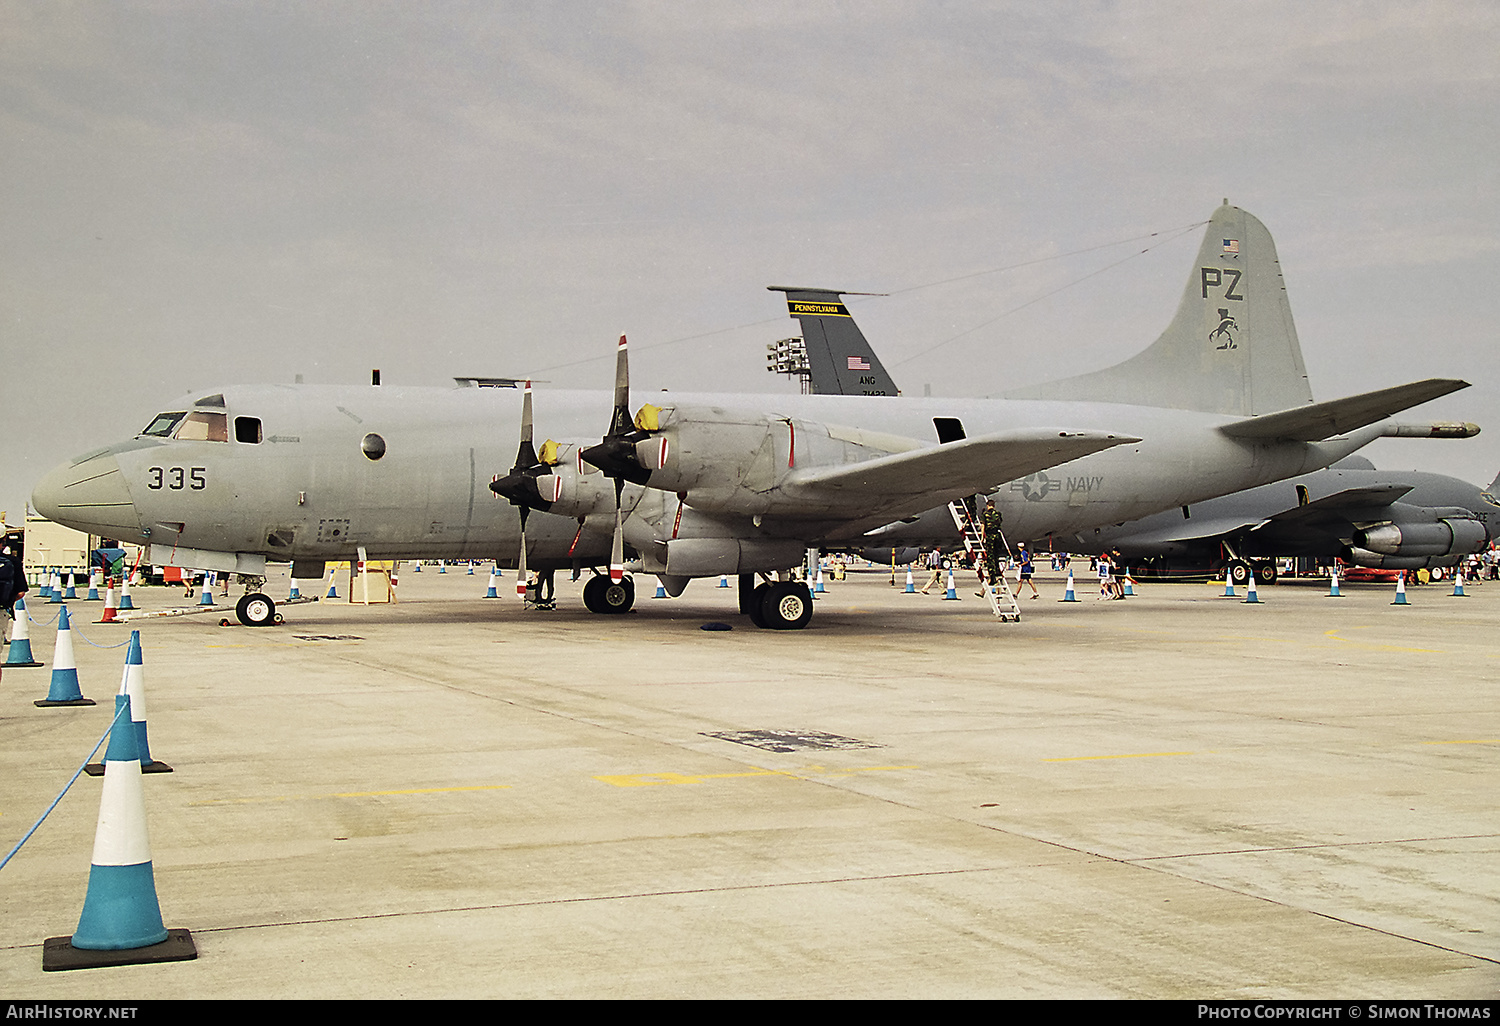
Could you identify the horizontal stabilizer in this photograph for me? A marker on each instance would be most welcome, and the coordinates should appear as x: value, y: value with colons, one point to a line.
x: 1317, y: 421
x: 926, y: 477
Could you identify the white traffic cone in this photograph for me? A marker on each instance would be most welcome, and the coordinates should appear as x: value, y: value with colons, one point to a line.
x: 120, y: 911
x: 1333, y: 583
x: 64, y: 689
x: 1069, y: 595
x: 490, y: 592
x: 93, y: 595
x: 911, y: 586
x: 1250, y: 597
x: 125, y: 600
x: 1401, y: 590
x: 951, y: 595
x: 20, y: 639
x: 1458, y: 585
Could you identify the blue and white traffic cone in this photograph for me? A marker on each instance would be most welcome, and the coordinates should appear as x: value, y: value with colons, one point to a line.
x: 1129, y: 586
x: 71, y: 591
x: 93, y: 595
x: 44, y: 589
x: 126, y: 602
x: 1250, y: 597
x: 416, y: 569
x: 442, y: 568
x: 471, y: 568
x: 952, y: 593
x: 333, y: 588
x: 20, y: 639
x: 1229, y: 584
x: 54, y: 593
x: 133, y: 685
x: 661, y: 592
x: 818, y: 588
x: 723, y: 580
x: 491, y: 592
x: 120, y: 911
x: 295, y: 593
x: 1333, y: 584
x: 207, y: 597
x: 64, y: 689
x: 1458, y: 585
x: 1401, y: 591
x: 911, y: 586
x: 1069, y: 595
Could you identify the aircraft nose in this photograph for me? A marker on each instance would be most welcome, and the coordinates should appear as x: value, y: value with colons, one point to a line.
x: 88, y: 493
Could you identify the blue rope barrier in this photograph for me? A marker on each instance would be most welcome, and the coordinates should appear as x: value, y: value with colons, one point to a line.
x: 79, y: 772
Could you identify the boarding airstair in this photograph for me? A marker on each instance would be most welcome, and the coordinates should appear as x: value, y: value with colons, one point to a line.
x: 1002, y: 602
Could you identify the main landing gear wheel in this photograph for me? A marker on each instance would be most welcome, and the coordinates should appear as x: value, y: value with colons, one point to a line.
x: 256, y: 611
x: 757, y: 604
x: 786, y: 606
x: 601, y: 595
x: 1239, y: 572
x: 1265, y: 573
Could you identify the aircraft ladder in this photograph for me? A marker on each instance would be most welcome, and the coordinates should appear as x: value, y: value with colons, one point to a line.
x: 1002, y: 603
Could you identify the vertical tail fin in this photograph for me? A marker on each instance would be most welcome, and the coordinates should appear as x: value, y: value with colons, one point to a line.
x: 1232, y: 347
x: 841, y: 361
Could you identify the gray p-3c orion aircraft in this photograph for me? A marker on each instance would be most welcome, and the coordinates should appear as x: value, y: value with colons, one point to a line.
x: 703, y: 485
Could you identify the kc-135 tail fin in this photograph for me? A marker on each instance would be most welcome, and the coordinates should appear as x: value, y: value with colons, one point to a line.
x: 841, y: 361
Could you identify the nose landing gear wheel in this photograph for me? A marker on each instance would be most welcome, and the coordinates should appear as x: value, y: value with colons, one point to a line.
x: 256, y: 611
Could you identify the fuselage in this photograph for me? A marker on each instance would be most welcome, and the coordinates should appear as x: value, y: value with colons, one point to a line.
x: 308, y: 472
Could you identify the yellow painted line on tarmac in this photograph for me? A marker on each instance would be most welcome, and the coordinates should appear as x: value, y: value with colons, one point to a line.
x: 808, y: 773
x: 351, y: 794
x: 1334, y: 634
x: 1476, y: 741
x: 1132, y: 755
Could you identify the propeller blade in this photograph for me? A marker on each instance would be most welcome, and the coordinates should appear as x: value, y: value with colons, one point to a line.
x: 526, y: 454
x: 620, y: 423
x: 617, y: 544
x: 521, y: 561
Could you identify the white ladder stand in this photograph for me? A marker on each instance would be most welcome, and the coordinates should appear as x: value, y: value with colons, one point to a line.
x: 1002, y: 602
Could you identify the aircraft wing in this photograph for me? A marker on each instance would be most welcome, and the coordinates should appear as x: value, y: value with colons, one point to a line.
x: 1341, y: 507
x: 1317, y: 421
x: 911, y: 482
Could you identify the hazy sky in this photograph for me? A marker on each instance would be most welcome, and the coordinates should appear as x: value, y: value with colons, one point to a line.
x: 202, y: 193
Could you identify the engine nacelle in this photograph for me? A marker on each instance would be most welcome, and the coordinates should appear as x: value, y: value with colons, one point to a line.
x: 732, y: 461
x: 575, y: 489
x: 712, y: 557
x: 1447, y: 537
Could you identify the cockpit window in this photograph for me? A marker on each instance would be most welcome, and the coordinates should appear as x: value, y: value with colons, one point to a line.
x: 1489, y: 497
x: 162, y: 426
x: 204, y: 427
x: 247, y: 429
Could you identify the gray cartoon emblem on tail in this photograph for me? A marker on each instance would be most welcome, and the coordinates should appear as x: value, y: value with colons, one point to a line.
x: 1226, y: 326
